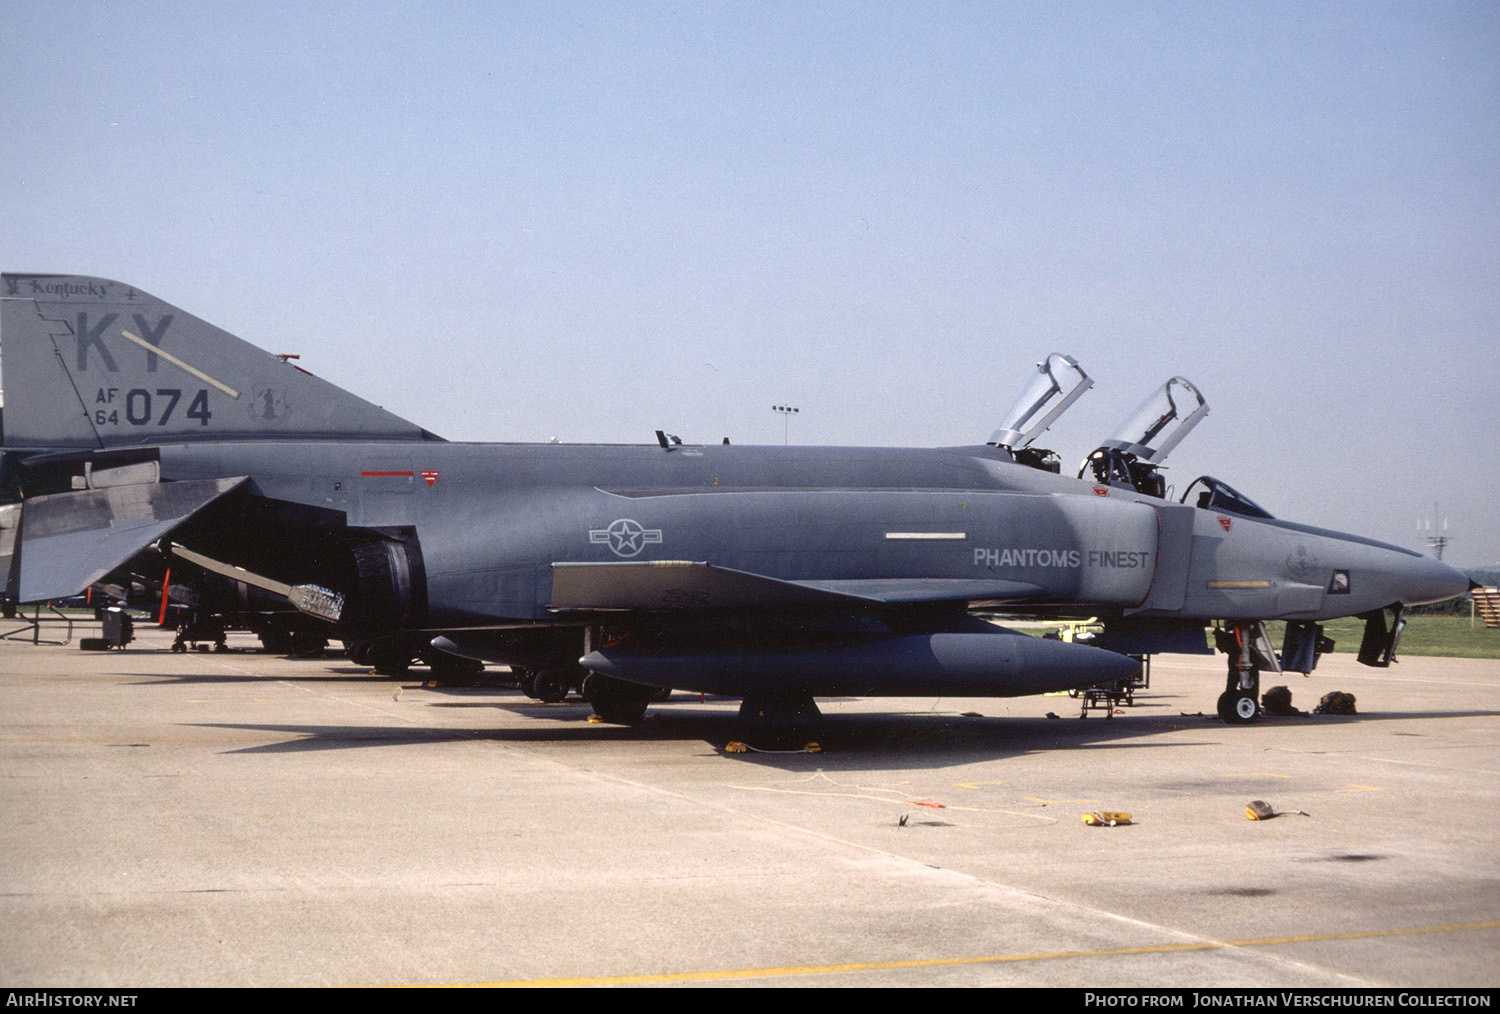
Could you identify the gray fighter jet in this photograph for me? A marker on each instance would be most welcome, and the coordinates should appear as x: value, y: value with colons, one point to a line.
x: 134, y: 431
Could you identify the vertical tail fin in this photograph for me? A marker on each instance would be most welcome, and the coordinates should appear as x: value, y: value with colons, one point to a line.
x: 91, y: 363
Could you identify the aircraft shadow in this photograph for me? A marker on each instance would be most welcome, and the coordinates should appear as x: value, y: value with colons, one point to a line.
x: 1380, y: 716
x: 853, y: 741
x: 906, y: 740
x: 186, y: 679
x: 919, y: 740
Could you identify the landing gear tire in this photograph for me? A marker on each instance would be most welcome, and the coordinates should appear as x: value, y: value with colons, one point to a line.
x: 448, y: 668
x: 621, y: 712
x: 278, y: 640
x: 389, y: 661
x: 552, y: 686
x: 308, y: 644
x: 1237, y: 707
x: 526, y: 680
x: 616, y: 700
x: 779, y: 722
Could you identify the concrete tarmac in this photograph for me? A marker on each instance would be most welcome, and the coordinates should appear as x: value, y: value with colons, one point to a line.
x: 244, y: 819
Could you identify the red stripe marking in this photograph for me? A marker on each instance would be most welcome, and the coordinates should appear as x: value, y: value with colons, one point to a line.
x: 166, y: 582
x: 407, y: 474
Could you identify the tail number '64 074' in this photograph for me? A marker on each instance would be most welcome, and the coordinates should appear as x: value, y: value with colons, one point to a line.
x: 141, y: 407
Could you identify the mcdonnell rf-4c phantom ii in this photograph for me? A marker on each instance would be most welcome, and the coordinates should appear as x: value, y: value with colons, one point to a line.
x: 137, y: 436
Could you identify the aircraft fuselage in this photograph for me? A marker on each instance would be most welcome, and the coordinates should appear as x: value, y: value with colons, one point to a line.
x: 492, y: 519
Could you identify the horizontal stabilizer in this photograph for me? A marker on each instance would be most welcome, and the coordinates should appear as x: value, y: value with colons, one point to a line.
x: 70, y: 540
x: 685, y: 585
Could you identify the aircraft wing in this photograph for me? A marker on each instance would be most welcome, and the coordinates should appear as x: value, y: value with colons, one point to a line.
x: 70, y: 540
x: 682, y: 585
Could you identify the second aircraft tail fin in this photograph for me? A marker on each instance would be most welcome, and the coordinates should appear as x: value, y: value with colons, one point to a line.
x: 92, y: 363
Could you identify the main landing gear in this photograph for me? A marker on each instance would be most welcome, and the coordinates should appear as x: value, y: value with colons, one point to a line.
x: 779, y: 721
x: 397, y: 659
x: 550, y: 686
x: 618, y: 701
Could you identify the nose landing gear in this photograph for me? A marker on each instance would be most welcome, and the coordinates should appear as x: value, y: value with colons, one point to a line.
x: 1249, y: 650
x: 1239, y: 705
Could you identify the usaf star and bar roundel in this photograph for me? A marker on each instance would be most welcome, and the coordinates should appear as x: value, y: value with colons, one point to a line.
x: 625, y: 537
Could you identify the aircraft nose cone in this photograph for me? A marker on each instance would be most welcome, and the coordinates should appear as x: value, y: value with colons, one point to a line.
x: 1429, y: 580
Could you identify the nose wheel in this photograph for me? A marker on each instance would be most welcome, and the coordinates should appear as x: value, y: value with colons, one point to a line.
x: 1238, y: 707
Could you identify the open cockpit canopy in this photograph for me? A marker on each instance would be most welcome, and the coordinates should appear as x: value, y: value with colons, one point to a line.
x: 1059, y: 382
x: 1163, y: 419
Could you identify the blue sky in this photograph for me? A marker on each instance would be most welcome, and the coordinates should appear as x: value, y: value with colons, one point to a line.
x: 590, y: 221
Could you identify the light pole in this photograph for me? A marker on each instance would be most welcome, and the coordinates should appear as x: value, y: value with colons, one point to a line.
x: 786, y: 420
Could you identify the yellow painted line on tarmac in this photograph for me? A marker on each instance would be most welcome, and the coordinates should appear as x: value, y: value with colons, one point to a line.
x: 1361, y: 788
x: 993, y: 959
